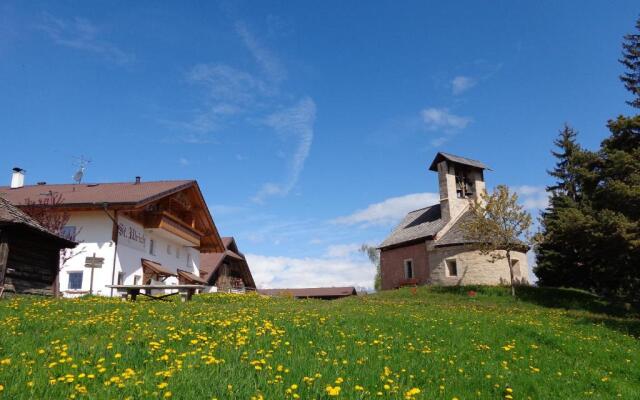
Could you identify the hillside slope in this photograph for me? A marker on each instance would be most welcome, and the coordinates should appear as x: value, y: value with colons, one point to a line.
x: 422, y: 344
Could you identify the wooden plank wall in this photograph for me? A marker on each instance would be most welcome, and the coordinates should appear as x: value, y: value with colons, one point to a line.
x: 32, y: 263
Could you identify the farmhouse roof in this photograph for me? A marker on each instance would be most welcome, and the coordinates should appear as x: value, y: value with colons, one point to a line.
x: 92, y: 194
x: 456, y: 159
x: 11, y: 215
x: 118, y: 196
x: 311, y: 292
x: 416, y: 225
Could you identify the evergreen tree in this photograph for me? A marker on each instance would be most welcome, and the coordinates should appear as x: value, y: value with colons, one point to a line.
x: 631, y: 60
x: 590, y: 234
x: 562, y: 251
x: 616, y: 200
x: 566, y: 170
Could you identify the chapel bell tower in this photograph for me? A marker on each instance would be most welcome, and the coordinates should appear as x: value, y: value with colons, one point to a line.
x: 460, y: 181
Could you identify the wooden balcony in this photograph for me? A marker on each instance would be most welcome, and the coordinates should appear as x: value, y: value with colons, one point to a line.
x: 168, y: 222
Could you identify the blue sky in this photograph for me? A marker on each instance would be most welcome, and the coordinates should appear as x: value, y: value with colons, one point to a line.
x: 308, y: 125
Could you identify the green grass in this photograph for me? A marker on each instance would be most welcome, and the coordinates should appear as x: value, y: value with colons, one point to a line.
x: 438, y: 340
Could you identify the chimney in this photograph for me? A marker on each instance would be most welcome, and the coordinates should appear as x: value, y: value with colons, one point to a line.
x: 137, y: 180
x: 17, y: 178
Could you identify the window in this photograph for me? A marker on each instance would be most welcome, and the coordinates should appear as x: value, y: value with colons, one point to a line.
x: 408, y: 269
x: 75, y: 280
x: 68, y: 232
x: 177, y: 252
x: 120, y: 278
x: 452, y: 267
x: 169, y: 249
x: 152, y: 245
x: 136, y: 279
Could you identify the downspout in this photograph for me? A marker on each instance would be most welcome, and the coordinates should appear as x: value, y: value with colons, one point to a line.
x: 114, y: 236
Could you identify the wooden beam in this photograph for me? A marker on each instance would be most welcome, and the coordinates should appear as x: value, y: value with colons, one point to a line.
x: 4, y: 254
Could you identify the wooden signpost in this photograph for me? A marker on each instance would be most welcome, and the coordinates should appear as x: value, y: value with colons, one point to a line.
x: 93, y: 262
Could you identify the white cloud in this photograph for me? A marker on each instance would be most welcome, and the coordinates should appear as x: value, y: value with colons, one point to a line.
x: 184, y: 161
x: 296, y: 122
x: 82, y: 34
x: 389, y: 211
x: 532, y: 197
x: 269, y: 63
x: 441, y: 118
x: 288, y: 272
x: 342, y: 250
x: 230, y: 89
x: 461, y: 84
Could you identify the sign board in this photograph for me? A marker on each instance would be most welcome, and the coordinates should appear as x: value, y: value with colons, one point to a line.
x: 131, y: 234
x: 93, y: 262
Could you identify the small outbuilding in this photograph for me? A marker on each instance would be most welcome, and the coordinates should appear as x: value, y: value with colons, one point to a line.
x: 227, y: 270
x: 29, y: 253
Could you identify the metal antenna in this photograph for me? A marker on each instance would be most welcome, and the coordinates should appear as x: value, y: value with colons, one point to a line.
x: 82, y: 166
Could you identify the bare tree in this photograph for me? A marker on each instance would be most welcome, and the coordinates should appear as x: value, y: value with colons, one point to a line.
x: 499, y: 225
x: 374, y: 256
x: 49, y: 213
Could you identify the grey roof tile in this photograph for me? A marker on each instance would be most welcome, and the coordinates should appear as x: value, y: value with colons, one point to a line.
x: 457, y: 159
x: 418, y: 224
x: 455, y: 234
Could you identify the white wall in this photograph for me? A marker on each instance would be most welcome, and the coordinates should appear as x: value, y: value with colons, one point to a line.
x: 95, y: 232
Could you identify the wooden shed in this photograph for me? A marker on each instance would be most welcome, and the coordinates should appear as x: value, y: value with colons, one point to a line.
x: 29, y: 254
x: 228, y: 270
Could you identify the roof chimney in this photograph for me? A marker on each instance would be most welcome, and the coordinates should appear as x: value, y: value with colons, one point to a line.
x: 137, y: 180
x: 17, y: 178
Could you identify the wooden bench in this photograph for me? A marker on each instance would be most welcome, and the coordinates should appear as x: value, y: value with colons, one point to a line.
x: 127, y: 292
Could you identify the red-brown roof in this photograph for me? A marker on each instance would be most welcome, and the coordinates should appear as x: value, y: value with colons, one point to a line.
x: 87, y: 194
x: 188, y: 276
x: 155, y: 268
x: 121, y: 195
x: 319, y: 292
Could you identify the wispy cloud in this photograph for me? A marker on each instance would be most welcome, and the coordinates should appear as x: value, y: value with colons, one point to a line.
x: 289, y: 272
x: 230, y: 90
x: 82, y: 34
x: 295, y: 122
x: 269, y: 63
x: 532, y: 197
x: 442, y: 119
x: 237, y: 96
x: 389, y: 211
x: 461, y: 84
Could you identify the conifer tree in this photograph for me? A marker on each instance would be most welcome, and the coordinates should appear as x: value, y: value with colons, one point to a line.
x: 562, y: 251
x: 631, y: 60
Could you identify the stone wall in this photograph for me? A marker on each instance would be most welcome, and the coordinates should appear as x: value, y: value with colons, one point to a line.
x: 392, y: 265
x: 473, y: 267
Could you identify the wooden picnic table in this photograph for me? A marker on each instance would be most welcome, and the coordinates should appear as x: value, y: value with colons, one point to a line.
x: 132, y: 291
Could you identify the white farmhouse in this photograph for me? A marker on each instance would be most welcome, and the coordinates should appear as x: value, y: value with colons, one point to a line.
x: 144, y: 231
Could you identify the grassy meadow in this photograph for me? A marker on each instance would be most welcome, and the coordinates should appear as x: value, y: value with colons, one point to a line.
x: 406, y: 344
